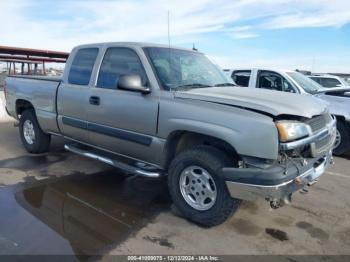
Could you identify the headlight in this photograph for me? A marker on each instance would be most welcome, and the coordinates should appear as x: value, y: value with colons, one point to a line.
x: 290, y: 130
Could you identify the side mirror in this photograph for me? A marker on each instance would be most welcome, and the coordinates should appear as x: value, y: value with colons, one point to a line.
x: 132, y: 83
x: 339, y: 85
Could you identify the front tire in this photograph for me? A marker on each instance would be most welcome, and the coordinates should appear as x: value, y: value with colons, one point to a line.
x: 34, y: 140
x: 342, y: 143
x: 197, y: 186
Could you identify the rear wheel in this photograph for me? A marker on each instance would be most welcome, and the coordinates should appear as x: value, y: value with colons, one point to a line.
x: 342, y: 142
x: 197, y: 186
x: 34, y: 140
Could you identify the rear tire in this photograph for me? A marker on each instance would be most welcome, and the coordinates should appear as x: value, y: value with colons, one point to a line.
x: 34, y: 140
x: 343, y: 134
x: 203, y: 166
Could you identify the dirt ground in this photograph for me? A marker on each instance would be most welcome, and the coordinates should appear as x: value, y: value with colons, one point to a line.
x: 60, y: 203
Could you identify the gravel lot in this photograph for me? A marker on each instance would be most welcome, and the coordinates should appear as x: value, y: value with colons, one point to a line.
x: 60, y: 203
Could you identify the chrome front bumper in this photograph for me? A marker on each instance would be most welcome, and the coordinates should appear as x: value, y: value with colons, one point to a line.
x: 283, y: 190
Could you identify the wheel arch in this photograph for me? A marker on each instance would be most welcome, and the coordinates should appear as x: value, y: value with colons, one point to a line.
x: 179, y: 140
x: 343, y: 127
x: 22, y: 105
x: 343, y: 120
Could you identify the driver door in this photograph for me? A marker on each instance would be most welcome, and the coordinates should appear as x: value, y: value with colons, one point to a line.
x: 122, y: 121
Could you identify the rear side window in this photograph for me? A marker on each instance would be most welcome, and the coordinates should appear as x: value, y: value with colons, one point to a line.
x: 329, y: 82
x: 116, y: 62
x: 81, y: 68
x: 241, y: 77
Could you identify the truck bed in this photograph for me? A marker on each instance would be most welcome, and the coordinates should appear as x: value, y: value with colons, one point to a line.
x: 40, y: 91
x: 38, y: 77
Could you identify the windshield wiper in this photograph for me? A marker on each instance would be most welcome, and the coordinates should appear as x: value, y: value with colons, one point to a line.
x: 225, y: 84
x: 188, y: 86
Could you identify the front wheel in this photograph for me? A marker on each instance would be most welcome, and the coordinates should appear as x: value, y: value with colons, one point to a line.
x: 342, y: 142
x: 33, y: 138
x: 197, y: 186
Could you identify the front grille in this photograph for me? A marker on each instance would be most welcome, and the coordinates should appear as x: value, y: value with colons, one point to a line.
x: 318, y: 123
x: 319, y: 145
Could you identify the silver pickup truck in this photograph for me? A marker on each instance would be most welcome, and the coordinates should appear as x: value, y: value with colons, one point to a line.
x: 156, y: 111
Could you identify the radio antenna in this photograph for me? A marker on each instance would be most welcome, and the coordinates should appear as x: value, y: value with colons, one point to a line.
x: 194, y: 48
x: 169, y: 28
x: 171, y: 88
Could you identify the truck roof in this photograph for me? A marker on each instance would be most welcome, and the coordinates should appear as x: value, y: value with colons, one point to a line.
x: 323, y: 75
x: 260, y: 68
x: 132, y: 44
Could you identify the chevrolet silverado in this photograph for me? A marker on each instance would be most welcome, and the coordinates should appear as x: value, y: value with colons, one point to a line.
x: 156, y: 111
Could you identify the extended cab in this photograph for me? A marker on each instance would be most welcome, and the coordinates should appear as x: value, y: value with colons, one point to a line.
x: 155, y: 111
x: 338, y: 98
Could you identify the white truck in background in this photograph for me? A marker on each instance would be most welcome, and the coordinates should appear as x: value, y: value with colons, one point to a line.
x: 295, y: 82
x: 329, y: 81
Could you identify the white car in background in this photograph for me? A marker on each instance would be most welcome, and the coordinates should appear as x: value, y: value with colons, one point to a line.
x: 295, y: 82
x: 329, y: 81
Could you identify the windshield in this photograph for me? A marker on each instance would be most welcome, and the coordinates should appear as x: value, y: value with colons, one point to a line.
x: 180, y: 69
x: 306, y: 83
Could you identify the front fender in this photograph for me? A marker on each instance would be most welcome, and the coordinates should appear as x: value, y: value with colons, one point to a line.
x: 248, y: 132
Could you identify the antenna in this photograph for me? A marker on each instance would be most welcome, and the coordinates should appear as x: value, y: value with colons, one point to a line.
x: 169, y: 45
x: 194, y: 48
x: 169, y: 28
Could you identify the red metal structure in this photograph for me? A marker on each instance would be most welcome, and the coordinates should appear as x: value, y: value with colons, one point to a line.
x: 29, y: 57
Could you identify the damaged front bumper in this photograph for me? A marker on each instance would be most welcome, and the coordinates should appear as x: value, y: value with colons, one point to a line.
x: 276, y: 183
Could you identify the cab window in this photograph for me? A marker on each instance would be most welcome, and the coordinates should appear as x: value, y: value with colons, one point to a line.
x: 116, y: 62
x: 241, y: 77
x: 316, y: 79
x: 82, y: 65
x: 274, y: 81
x: 330, y: 82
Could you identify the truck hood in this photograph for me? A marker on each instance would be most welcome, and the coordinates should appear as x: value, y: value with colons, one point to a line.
x: 265, y: 101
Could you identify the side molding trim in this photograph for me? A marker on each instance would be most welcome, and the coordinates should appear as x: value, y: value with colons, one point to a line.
x: 109, y: 131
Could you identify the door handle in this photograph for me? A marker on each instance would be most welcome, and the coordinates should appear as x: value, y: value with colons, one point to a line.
x: 94, y: 100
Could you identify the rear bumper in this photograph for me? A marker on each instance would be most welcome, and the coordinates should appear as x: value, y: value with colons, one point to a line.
x: 275, y: 183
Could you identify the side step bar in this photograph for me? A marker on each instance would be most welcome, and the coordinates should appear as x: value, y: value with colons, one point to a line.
x: 113, y: 162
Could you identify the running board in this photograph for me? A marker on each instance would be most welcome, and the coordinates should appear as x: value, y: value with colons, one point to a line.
x: 113, y: 162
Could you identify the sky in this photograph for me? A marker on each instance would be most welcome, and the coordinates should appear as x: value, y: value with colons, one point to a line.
x: 290, y: 34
